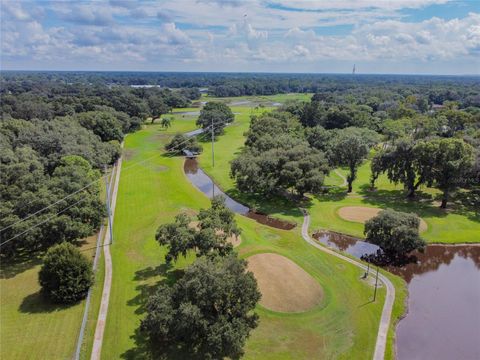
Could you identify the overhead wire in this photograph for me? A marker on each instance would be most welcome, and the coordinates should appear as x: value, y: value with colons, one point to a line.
x: 203, y: 133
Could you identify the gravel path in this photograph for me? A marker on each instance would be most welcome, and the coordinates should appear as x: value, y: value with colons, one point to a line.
x: 389, y: 299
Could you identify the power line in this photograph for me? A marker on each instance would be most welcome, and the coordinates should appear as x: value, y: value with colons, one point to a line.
x: 43, y: 222
x: 91, y: 184
x: 77, y: 191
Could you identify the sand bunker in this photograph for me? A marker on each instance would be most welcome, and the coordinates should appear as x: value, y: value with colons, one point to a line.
x: 362, y: 214
x: 284, y: 285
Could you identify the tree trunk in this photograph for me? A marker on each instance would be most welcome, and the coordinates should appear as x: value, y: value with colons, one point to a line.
x: 444, y: 200
x: 411, y: 193
x: 349, y: 186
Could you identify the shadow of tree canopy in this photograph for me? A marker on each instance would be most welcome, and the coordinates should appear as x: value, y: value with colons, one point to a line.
x: 332, y: 194
x: 38, y: 303
x: 270, y: 205
x: 423, y: 203
x: 10, y: 267
x: 144, y: 348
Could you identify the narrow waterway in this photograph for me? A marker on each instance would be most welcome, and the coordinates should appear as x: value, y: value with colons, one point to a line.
x: 201, y: 180
x: 443, y: 319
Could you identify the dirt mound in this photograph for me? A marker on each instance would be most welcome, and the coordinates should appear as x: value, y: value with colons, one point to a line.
x: 284, y: 285
x: 362, y: 214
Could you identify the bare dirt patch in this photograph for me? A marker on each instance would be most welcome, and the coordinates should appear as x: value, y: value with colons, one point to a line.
x: 284, y: 285
x: 361, y: 214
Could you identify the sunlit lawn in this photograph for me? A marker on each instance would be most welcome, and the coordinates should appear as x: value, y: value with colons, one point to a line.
x: 152, y: 193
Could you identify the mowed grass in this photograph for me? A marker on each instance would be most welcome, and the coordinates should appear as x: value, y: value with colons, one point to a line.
x: 152, y: 192
x: 31, y: 326
x: 454, y: 225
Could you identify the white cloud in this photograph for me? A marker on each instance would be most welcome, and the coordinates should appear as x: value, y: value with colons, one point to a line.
x: 356, y: 4
x: 225, y: 33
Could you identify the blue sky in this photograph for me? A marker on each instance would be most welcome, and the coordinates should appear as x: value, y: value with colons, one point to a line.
x: 322, y: 36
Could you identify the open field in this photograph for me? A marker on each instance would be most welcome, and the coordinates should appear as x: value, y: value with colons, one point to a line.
x: 153, y: 192
x: 30, y: 324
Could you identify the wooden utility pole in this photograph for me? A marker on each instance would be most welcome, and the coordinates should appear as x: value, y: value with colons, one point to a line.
x: 213, y: 158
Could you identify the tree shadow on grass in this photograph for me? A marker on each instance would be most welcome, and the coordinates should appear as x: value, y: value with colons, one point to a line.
x: 332, y: 194
x: 146, y: 289
x: 38, y: 303
x: 272, y: 205
x: 143, y: 348
x: 422, y: 204
x: 147, y: 350
x: 11, y: 267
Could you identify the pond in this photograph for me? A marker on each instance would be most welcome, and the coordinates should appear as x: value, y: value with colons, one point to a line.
x: 443, y: 319
x: 203, y: 182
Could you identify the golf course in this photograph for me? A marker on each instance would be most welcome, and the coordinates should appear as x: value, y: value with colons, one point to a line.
x: 330, y: 314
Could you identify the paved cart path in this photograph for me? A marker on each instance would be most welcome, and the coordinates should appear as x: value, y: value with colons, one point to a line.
x: 107, y: 284
x: 389, y: 298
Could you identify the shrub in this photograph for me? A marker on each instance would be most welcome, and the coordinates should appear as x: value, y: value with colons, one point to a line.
x: 66, y: 274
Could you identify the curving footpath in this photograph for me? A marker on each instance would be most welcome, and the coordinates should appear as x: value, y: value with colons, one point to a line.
x: 341, y: 176
x: 107, y: 284
x: 381, y: 343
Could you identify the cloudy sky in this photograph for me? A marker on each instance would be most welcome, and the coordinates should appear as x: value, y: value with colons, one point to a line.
x: 324, y: 36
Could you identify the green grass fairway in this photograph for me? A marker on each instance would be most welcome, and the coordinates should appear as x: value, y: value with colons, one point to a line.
x: 455, y: 225
x: 344, y: 325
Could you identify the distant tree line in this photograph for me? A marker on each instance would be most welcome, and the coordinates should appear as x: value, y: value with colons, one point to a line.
x: 434, y: 89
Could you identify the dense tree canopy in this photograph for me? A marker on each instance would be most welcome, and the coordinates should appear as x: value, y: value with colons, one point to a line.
x: 215, y: 114
x: 26, y: 189
x: 207, y: 236
x: 451, y: 163
x: 277, y: 158
x: 207, y: 313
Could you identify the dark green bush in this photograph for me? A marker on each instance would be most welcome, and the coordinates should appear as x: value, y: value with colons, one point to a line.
x: 66, y: 274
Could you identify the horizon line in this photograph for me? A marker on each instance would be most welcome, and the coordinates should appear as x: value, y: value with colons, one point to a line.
x: 238, y: 72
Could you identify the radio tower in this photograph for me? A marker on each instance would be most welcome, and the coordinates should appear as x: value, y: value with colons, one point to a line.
x: 353, y: 71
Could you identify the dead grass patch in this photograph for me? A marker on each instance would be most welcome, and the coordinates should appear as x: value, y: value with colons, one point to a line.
x: 284, y: 285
